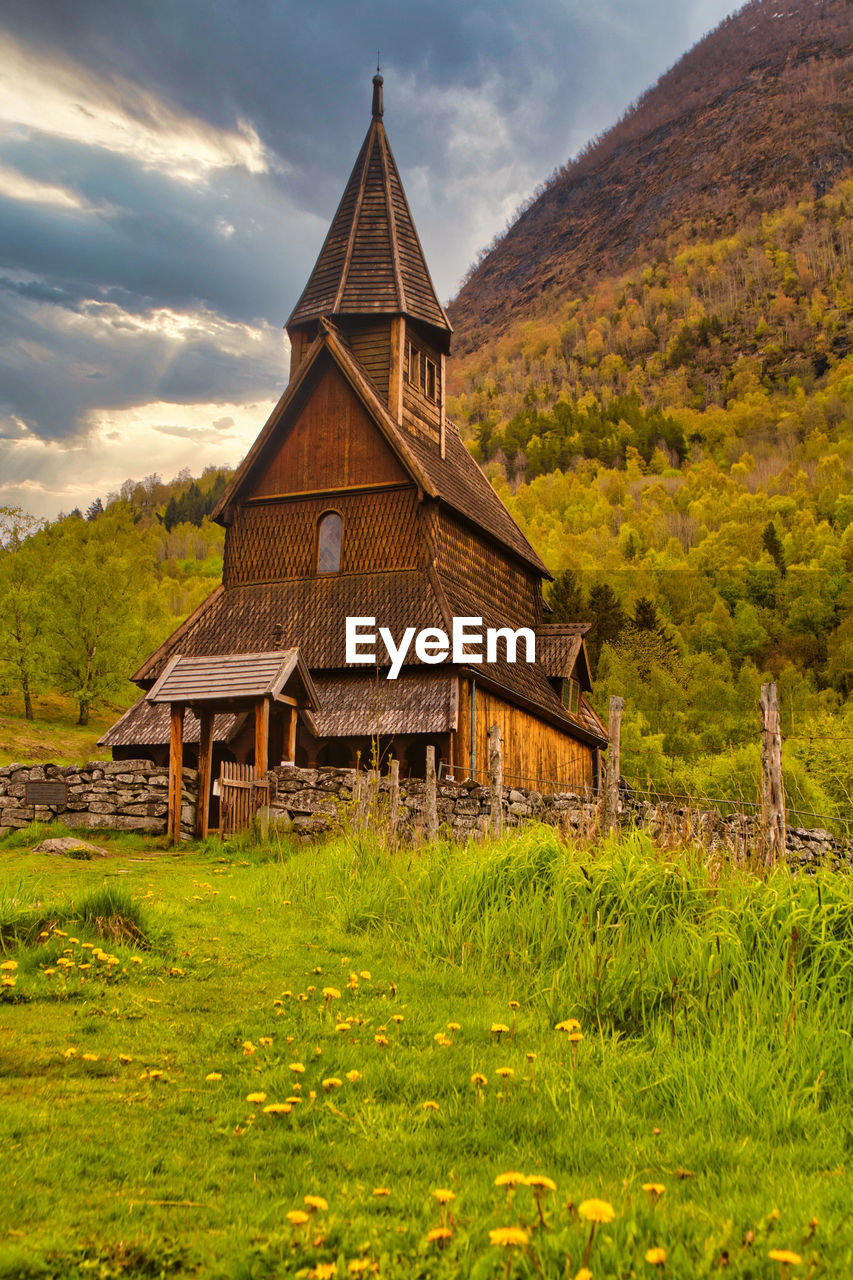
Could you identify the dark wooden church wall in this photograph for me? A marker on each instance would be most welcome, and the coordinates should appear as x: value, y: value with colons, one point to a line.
x: 333, y: 443
x: 269, y: 541
x: 467, y: 558
x: 371, y: 345
x: 420, y: 414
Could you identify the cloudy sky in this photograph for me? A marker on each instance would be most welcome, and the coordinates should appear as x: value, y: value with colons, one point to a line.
x: 168, y: 170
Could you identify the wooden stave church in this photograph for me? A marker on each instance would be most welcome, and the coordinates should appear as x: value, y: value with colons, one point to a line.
x: 361, y: 433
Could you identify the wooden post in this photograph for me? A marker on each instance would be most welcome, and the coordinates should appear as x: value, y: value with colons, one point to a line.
x: 772, y: 791
x: 496, y: 779
x: 205, y: 762
x: 176, y: 770
x: 290, y: 735
x: 611, y: 797
x: 394, y: 802
x: 262, y: 737
x: 430, y: 797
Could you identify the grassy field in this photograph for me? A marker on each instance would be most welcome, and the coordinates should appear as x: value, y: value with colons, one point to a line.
x: 361, y: 990
x: 53, y: 735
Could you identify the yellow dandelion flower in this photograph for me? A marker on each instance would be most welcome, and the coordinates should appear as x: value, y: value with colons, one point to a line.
x: 342, y: 1028
x: 317, y: 969
x: 454, y: 1026
x: 584, y: 1274
x: 379, y: 1192
x: 443, y: 1195
x: 124, y: 1059
x: 538, y: 1182
x: 297, y: 1067
x: 514, y: 1005
x: 358, y: 1266
x: 439, y: 1235
x: 297, y: 1217
x: 398, y: 1018
x: 331, y: 993
x: 48, y: 973
x: 654, y: 1189
x: 656, y: 1257
x: 786, y: 1256
x: 442, y: 1040
x: 498, y: 1029
x: 278, y: 1109
x: 596, y: 1211
x: 324, y: 1271
x: 479, y: 1080
x: 8, y: 980
x: 248, y: 1048
x: 332, y: 1083
x: 277, y: 1004
x: 353, y: 1076
x: 213, y: 1075
x: 510, y: 1179
x: 429, y: 1105
x: 574, y: 1037
x: 508, y: 1237
x: 9, y: 966
x: 504, y: 1072
x: 381, y: 1040
x: 293, y: 1101
x: 91, y: 1057
x: 133, y: 959
x: 265, y: 1042
x: 531, y: 1057
x: 315, y: 1204
x: 256, y: 1097
x: 70, y: 1052
x: 365, y: 975
x: 569, y: 1024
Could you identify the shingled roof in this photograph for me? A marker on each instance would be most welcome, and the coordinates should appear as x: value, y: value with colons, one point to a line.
x: 371, y: 261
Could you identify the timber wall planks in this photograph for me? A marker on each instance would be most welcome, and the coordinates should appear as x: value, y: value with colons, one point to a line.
x: 371, y: 345
x: 333, y: 443
x: 464, y: 557
x: 535, y: 754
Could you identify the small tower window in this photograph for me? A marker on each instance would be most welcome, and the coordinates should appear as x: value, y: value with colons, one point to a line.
x: 330, y: 529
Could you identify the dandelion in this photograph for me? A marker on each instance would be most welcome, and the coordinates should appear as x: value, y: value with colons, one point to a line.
x: 324, y: 1271
x: 330, y: 994
x: 539, y: 1184
x: 331, y: 1084
x: 124, y: 1059
x: 381, y: 1192
x: 213, y: 1075
x: 297, y: 1217
x: 70, y: 1052
x: 479, y: 1082
x: 656, y: 1257
x: 398, y: 1018
x: 381, y: 1040
x: 358, y: 1266
x: 297, y: 1067
x: 654, y: 1190
x: 265, y: 1042
x: 453, y: 1027
x: 315, y: 1204
x: 365, y: 975
x: 9, y: 966
x: 278, y: 1109
x: 8, y: 980
x: 509, y: 1237
x: 429, y: 1105
x: 342, y: 1028
x: 91, y: 1057
x: 505, y: 1074
x: 594, y: 1212
x: 498, y: 1029
x: 531, y: 1058
x: 353, y: 1076
x: 133, y: 959
x: 584, y: 1274
x: 248, y: 1048
x: 439, y: 1236
x: 443, y: 1195
x: 48, y: 973
x: 786, y: 1258
x: 256, y: 1097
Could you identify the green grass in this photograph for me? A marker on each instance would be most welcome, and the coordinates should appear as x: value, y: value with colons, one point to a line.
x: 716, y: 1009
x: 53, y: 736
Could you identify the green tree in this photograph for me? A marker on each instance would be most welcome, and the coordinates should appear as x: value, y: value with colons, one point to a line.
x: 607, y: 617
x: 101, y: 578
x: 567, y: 598
x: 23, y: 602
x: 773, y: 547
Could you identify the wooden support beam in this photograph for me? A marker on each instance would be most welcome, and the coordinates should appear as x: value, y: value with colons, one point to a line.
x: 262, y: 736
x: 205, y: 763
x: 290, y: 735
x: 611, y: 798
x: 176, y: 770
x: 395, y: 374
x: 430, y: 797
x: 496, y: 780
x: 772, y: 790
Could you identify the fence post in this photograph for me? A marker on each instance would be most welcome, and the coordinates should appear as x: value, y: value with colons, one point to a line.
x: 394, y: 804
x: 611, y: 795
x: 430, y: 797
x: 772, y: 793
x: 496, y: 780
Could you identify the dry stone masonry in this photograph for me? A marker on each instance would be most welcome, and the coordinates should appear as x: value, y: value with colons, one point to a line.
x: 111, y: 795
x: 132, y: 795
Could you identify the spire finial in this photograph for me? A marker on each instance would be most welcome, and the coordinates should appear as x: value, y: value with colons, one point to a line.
x: 377, y: 91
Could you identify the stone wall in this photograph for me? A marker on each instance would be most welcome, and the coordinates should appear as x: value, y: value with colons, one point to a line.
x: 114, y: 795
x: 132, y: 795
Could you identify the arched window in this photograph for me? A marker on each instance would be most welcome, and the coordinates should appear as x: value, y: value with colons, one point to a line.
x: 330, y: 529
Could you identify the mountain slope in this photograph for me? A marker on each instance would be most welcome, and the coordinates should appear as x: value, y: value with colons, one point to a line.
x: 755, y: 115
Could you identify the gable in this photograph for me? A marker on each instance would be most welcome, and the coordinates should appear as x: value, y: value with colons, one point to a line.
x: 328, y: 441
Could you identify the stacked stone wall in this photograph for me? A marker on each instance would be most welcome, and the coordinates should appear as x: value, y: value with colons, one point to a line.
x: 113, y: 795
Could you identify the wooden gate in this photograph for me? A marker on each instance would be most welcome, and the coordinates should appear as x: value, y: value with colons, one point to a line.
x: 241, y: 795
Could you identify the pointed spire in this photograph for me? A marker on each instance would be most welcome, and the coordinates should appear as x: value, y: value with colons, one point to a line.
x: 371, y: 262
